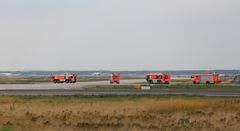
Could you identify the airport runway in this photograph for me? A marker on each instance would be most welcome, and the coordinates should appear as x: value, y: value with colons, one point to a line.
x: 46, y: 86
x: 78, y: 89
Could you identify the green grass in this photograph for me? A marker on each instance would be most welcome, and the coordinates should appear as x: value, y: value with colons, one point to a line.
x: 163, y: 86
x: 6, y: 128
x: 235, y: 82
x: 89, y: 98
x: 111, y: 87
x: 190, y: 86
x: 23, y: 80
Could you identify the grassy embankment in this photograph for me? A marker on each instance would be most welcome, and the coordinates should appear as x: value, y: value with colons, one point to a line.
x: 108, y: 112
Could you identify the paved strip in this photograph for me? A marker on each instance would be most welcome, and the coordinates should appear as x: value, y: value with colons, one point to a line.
x: 77, y: 89
x: 79, y: 85
x: 120, y: 92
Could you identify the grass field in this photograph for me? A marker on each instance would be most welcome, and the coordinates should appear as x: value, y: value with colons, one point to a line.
x: 171, y: 86
x: 23, y: 80
x: 175, y: 84
x: 108, y: 112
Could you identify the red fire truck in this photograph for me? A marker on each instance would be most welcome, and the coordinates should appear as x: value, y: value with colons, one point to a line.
x: 71, y: 78
x: 206, y: 79
x: 158, y: 78
x: 115, y: 78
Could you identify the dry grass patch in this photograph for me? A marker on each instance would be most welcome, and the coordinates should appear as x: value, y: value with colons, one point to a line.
x: 147, y: 113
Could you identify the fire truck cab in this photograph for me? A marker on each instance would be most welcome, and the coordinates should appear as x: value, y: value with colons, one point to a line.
x: 158, y: 78
x: 206, y: 79
x: 115, y: 78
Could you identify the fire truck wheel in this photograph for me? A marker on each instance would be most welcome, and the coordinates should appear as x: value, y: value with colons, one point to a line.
x: 150, y: 82
x: 208, y: 82
x: 55, y: 81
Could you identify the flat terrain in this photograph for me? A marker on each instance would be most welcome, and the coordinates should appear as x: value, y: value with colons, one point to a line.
x: 97, y: 105
x: 127, y: 87
x: 49, y: 92
x: 46, y: 79
x: 121, y: 113
x: 78, y: 85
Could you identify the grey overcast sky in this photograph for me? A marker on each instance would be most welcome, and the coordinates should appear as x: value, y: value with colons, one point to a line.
x: 119, y: 34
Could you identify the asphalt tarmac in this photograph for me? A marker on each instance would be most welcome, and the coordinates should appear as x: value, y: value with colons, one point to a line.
x: 78, y: 85
x: 78, y: 89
